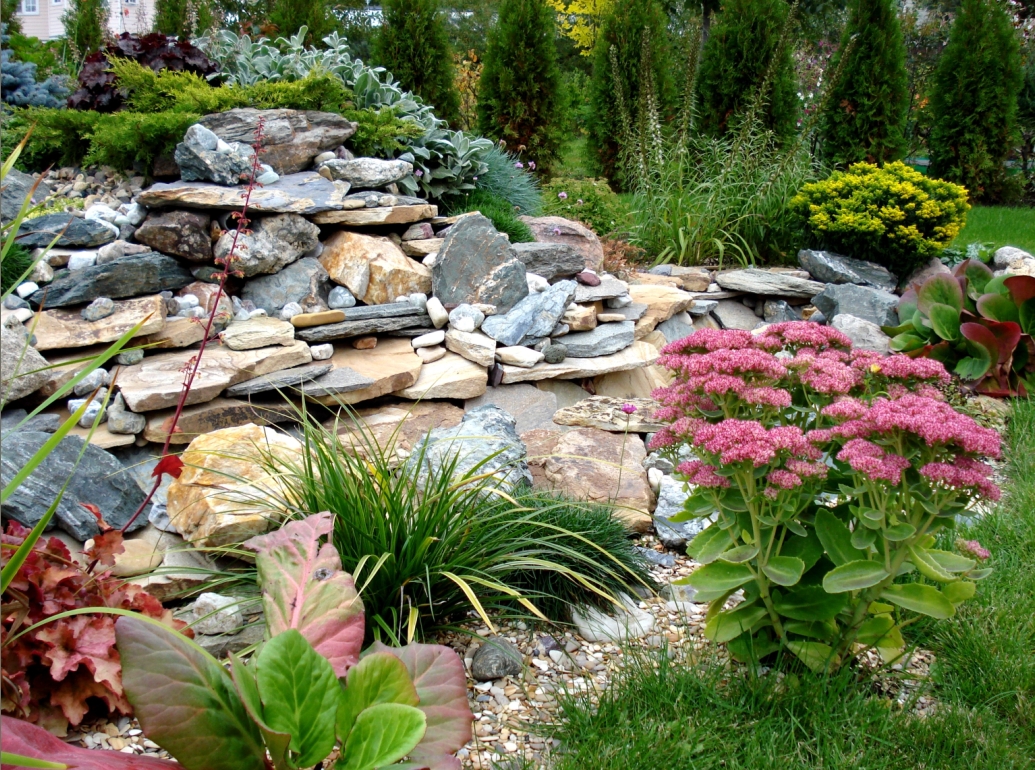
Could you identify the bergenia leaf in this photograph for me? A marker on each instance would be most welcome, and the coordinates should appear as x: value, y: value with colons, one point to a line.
x: 28, y: 740
x: 907, y: 304
x: 942, y: 288
x: 997, y: 307
x: 983, y: 337
x: 977, y: 273
x: 383, y: 735
x: 277, y: 742
x: 305, y: 588
x: 438, y: 674
x: 1021, y: 288
x: 377, y: 678
x: 185, y: 700
x: 945, y: 321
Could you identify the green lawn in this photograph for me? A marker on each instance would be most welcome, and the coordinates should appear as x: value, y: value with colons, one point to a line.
x: 1001, y: 226
x: 666, y: 715
x: 574, y: 160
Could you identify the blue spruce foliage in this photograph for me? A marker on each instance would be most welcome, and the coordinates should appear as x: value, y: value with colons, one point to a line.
x: 18, y: 84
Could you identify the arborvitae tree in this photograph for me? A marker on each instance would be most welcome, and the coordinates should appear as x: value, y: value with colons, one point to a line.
x: 974, y: 100
x: 289, y: 16
x: 183, y: 18
x: 9, y: 16
x: 412, y: 44
x: 519, y: 96
x: 735, y: 62
x: 623, y: 28
x: 86, y: 22
x: 866, y: 109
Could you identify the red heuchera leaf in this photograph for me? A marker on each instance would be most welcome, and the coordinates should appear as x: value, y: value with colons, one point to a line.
x: 106, y: 546
x: 53, y: 674
x: 305, y: 588
x: 104, y: 526
x: 170, y: 464
x: 18, y: 737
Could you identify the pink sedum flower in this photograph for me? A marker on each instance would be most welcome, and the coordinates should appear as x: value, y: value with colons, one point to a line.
x: 702, y: 475
x: 973, y: 548
x: 963, y: 474
x: 868, y: 458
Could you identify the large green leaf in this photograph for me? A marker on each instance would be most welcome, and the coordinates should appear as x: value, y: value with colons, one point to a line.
x: 945, y: 321
x: 277, y: 743
x: 740, y: 555
x: 378, y: 678
x: 729, y: 624
x: 960, y: 591
x: 836, y: 538
x: 927, y: 600
x: 951, y: 562
x: 906, y: 342
x: 185, y: 701
x: 927, y: 566
x: 784, y: 570
x: 1026, y: 316
x: 976, y: 365
x: 713, y: 580
x: 998, y: 307
x: 817, y: 656
x: 383, y: 734
x: 809, y: 603
x: 299, y: 694
x: 708, y: 544
x: 899, y: 532
x: 874, y: 629
x: 978, y: 275
x: 808, y: 548
x: 853, y: 576
x: 941, y: 288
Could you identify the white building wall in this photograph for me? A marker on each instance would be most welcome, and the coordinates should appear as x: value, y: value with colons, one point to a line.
x: 134, y: 16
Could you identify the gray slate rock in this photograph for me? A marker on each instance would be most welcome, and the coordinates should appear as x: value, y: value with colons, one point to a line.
x: 285, y: 378
x: 828, y: 267
x: 178, y: 232
x: 17, y: 185
x: 776, y: 311
x: 368, y: 172
x: 99, y: 479
x: 677, y: 327
x: 273, y: 243
x: 553, y: 261
x: 874, y: 305
x: 304, y: 282
x: 661, y: 559
x: 20, y: 363
x: 476, y: 265
x: 533, y: 317
x: 102, y: 307
x: 608, y: 288
x: 42, y: 423
x: 121, y: 420
x: 864, y: 334
x: 485, y: 439
x: 633, y: 312
x: 602, y: 341
x: 130, y: 277
x: 199, y: 159
x: 529, y: 406
x: 404, y: 325
x: 342, y: 380
x: 756, y: 281
x: 733, y: 314
x: 495, y: 659
x: 78, y: 233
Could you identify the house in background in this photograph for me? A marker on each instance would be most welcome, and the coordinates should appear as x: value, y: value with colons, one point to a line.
x: 42, y: 18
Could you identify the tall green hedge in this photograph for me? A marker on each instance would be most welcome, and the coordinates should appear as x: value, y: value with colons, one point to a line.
x: 742, y: 49
x: 412, y: 44
x: 289, y: 16
x: 519, y: 98
x: 174, y: 17
x: 974, y: 101
x: 866, y: 109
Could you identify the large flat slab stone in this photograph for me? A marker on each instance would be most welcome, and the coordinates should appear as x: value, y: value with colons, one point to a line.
x: 57, y: 329
x: 214, y: 415
x: 452, y: 376
x: 134, y: 276
x: 662, y: 303
x: 636, y: 355
x: 602, y: 341
x: 606, y: 413
x: 766, y: 282
x: 176, y: 333
x: 363, y: 327
x: 379, y: 215
x: 282, y: 380
x: 304, y: 193
x: 392, y: 366
x: 528, y: 405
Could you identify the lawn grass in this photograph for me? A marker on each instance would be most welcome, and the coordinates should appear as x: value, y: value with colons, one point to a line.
x: 663, y: 714
x: 574, y: 160
x: 1001, y: 226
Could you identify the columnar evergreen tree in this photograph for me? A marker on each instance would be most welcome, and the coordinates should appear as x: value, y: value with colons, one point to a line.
x: 743, y: 48
x: 866, y: 109
x: 519, y: 95
x: 974, y: 100
x: 183, y: 18
x: 86, y: 22
x: 289, y: 16
x: 412, y: 44
x: 623, y: 29
x: 9, y: 16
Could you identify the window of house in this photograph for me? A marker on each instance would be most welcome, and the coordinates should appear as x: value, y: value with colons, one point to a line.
x: 56, y: 2
x: 129, y: 2
x: 29, y: 7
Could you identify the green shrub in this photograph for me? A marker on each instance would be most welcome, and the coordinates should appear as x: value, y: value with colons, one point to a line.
x: 894, y: 216
x: 974, y: 101
x: 590, y: 201
x: 504, y: 179
x: 313, y: 18
x: 519, y: 100
x: 413, y: 45
x: 865, y: 114
x: 381, y: 133
x: 745, y: 52
x: 85, y: 23
x: 504, y: 216
x: 183, y: 18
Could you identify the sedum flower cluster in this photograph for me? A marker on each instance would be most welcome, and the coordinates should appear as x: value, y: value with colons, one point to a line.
x: 829, y: 472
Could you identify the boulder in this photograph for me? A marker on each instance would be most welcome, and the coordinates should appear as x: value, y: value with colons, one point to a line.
x: 553, y: 261
x: 864, y: 334
x: 474, y: 346
x: 22, y: 368
x: 767, y: 282
x: 373, y: 268
x: 306, y: 193
x: 828, y: 267
x: 933, y: 267
x: 66, y: 328
x: 1013, y: 261
x: 477, y: 265
x: 533, y: 318
x: 200, y: 158
x: 874, y: 305
x: 366, y: 173
x: 734, y: 314
x: 272, y: 244
x: 495, y: 659
x: 401, y: 214
x: 530, y: 407
x: 304, y: 282
x: 451, y: 376
x: 186, y: 234
x: 606, y: 413
x: 671, y: 499
x: 258, y: 332
x: 290, y: 138
x: 604, y: 340
x: 627, y: 623
x: 564, y: 231
x: 677, y: 327
x: 74, y: 232
x: 217, y: 414
x: 97, y: 478
x: 225, y: 493
x: 130, y: 277
x: 636, y: 355
x: 17, y: 186
x: 485, y: 441
x: 391, y: 366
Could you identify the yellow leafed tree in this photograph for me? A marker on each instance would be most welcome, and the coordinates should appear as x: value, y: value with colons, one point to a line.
x: 580, y: 20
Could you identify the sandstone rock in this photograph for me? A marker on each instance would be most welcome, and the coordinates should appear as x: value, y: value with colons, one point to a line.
x: 225, y: 494
x: 829, y: 267
x: 632, y: 383
x: 530, y: 407
x: 474, y: 346
x: 213, y: 415
x: 364, y: 343
x: 476, y: 264
x: 258, y: 333
x: 392, y: 366
x: 733, y: 314
x: 142, y: 554
x: 450, y: 377
x: 552, y: 261
x: 534, y: 317
x: 874, y: 305
x: 607, y: 414
x: 130, y: 277
x: 419, y: 232
x: 273, y: 243
x: 291, y: 138
x: 381, y: 215
x: 21, y: 365
x: 864, y: 334
x: 307, y: 320
x: 75, y: 232
x: 181, y: 571
x: 636, y: 355
x: 306, y: 193
x: 304, y: 282
x: 430, y: 339
x: 758, y: 281
x: 567, y: 232
x: 373, y: 268
x: 66, y: 329
x: 429, y: 355
x: 421, y: 249
x: 176, y: 333
x: 394, y: 428
x: 580, y: 319
x: 662, y: 303
x: 519, y: 356
x: 692, y: 278
x: 607, y: 288
x: 181, y: 233
x: 604, y: 340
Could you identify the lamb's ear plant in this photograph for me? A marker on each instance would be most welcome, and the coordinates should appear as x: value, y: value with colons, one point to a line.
x: 308, y: 689
x: 829, y: 473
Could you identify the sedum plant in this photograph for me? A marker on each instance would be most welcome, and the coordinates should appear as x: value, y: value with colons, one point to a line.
x: 830, y: 474
x: 980, y: 325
